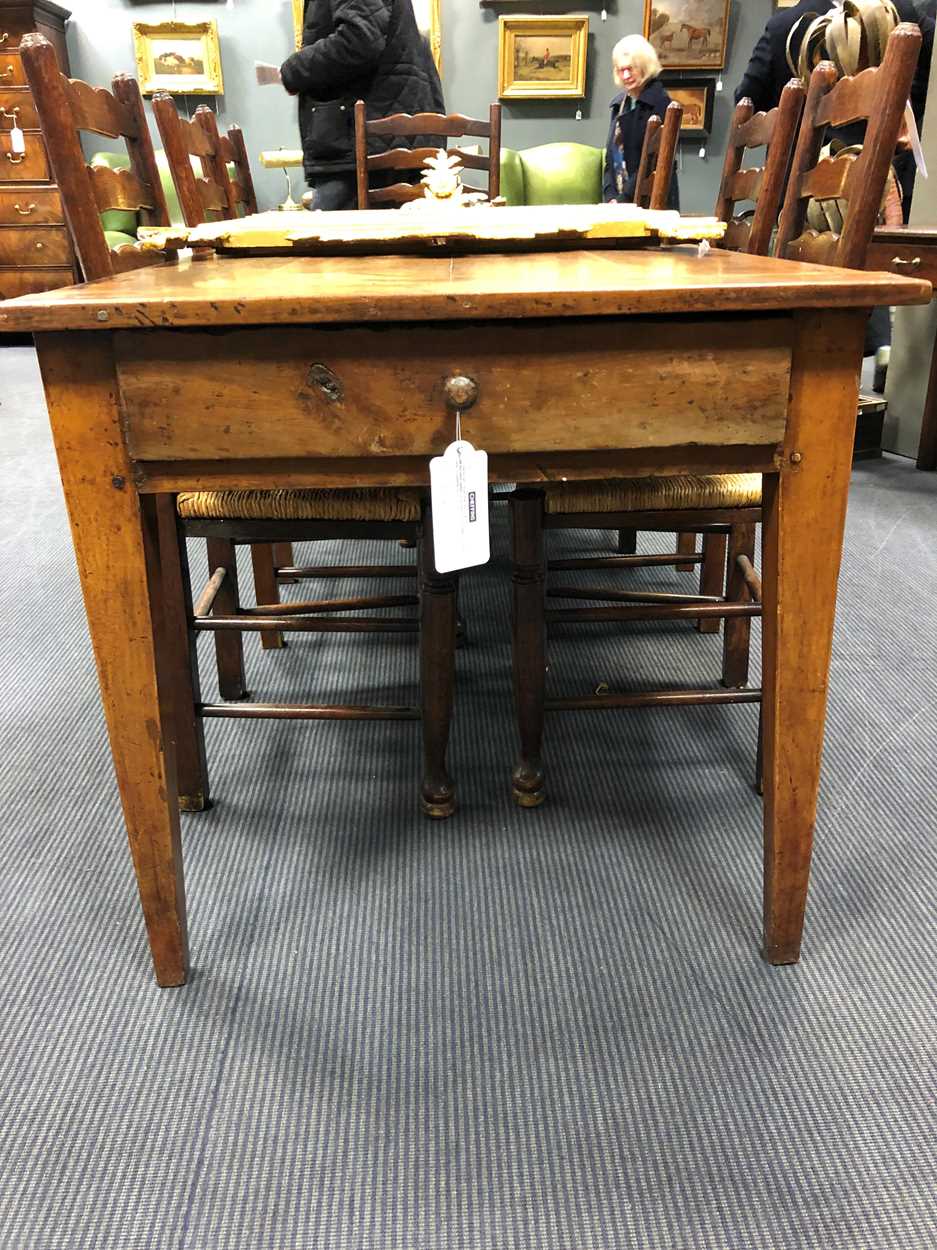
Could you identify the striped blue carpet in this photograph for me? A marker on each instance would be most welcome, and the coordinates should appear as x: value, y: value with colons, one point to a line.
x: 541, y: 1030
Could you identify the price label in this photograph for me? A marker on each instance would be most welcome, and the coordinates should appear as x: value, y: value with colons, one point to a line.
x: 459, y: 489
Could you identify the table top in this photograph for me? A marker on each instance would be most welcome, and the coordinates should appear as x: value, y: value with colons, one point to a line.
x: 922, y: 236
x: 227, y: 291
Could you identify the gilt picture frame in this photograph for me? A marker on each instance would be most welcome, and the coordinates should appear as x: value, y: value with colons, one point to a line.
x: 542, y: 58
x: 688, y: 34
x: 182, y: 58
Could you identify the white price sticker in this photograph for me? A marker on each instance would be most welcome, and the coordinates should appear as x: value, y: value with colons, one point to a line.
x: 459, y: 486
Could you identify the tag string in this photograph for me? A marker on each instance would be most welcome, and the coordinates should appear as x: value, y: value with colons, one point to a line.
x: 458, y: 425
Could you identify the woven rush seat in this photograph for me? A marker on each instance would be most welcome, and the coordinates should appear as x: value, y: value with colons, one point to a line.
x: 654, y: 494
x: 378, y: 504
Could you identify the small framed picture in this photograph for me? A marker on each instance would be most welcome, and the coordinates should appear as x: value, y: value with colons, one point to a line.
x: 542, y: 58
x: 699, y: 43
x: 696, y: 95
x: 183, y: 58
x: 784, y: 4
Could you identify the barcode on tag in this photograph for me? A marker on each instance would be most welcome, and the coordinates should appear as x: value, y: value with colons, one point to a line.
x: 459, y: 487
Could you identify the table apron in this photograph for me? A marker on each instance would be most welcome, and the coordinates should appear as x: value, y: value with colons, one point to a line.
x: 562, y: 389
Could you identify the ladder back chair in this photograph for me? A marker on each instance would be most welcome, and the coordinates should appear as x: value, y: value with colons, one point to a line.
x: 707, y: 503
x: 658, y: 154
x: 68, y: 107
x: 210, y: 197
x: 421, y: 126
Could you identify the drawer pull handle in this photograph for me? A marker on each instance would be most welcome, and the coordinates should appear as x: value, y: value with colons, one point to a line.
x: 15, y: 158
x: 7, y: 73
x: 10, y: 116
x: 4, y: 37
x: 461, y: 391
x: 39, y: 247
x: 911, y: 264
x: 27, y: 211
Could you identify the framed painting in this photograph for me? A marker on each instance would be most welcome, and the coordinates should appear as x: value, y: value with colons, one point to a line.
x: 696, y: 95
x: 784, y: 4
x: 542, y: 58
x: 688, y: 34
x: 183, y: 58
x: 299, y: 8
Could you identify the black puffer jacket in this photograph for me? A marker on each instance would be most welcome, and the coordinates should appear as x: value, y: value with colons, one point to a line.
x: 352, y: 50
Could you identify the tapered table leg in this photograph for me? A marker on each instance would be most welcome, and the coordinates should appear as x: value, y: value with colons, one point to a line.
x: 117, y: 552
x: 804, y: 517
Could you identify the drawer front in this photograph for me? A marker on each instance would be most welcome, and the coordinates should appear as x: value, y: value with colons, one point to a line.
x: 331, y: 392
x: 17, y: 107
x: 43, y: 246
x: 13, y: 26
x: 15, y: 282
x: 31, y: 206
x: 12, y: 73
x: 30, y: 166
x: 910, y: 260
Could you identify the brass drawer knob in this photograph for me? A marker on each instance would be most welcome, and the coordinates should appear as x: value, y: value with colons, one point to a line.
x: 39, y: 247
x: 461, y: 391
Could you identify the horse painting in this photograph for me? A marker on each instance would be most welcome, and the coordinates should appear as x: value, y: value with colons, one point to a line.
x: 688, y: 34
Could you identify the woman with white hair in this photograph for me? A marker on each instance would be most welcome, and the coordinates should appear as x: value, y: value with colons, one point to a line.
x: 642, y: 96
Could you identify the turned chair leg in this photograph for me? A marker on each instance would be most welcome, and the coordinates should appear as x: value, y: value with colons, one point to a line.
x: 627, y: 542
x: 686, y: 546
x: 737, y: 640
x: 179, y: 661
x: 266, y: 589
x: 529, y: 644
x: 437, y: 675
x: 229, y: 652
x: 712, y: 578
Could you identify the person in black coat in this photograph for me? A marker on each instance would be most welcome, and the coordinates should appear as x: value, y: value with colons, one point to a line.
x: 636, y: 69
x: 352, y: 50
x: 768, y: 71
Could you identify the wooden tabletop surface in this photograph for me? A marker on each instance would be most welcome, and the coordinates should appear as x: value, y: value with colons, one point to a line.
x: 922, y: 235
x: 295, y: 290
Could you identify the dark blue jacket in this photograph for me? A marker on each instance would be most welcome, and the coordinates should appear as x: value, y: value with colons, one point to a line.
x: 652, y: 100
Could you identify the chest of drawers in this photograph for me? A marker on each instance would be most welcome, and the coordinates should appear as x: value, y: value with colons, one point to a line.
x: 35, y: 249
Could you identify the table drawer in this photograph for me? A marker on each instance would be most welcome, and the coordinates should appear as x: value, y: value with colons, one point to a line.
x: 31, y: 206
x: 910, y: 260
x: 42, y: 246
x: 30, y: 166
x: 13, y: 26
x: 322, y: 391
x: 15, y: 282
x: 12, y: 73
x: 18, y: 104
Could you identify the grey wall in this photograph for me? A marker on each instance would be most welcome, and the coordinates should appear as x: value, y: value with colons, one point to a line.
x: 100, y: 45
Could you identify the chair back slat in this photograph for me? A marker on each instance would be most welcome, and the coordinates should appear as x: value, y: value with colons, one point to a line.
x: 435, y: 125
x: 119, y: 188
x: 212, y: 197
x: 829, y: 178
x: 451, y: 125
x: 65, y: 108
x: 234, y: 152
x: 658, y: 153
x: 398, y: 193
x: 879, y: 99
x: 96, y: 110
x: 760, y: 185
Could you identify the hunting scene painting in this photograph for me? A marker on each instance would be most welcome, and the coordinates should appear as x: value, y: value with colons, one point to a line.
x: 688, y: 34
x: 542, y: 57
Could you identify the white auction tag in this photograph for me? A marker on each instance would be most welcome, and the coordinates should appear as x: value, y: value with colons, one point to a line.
x: 459, y: 486
x: 17, y: 141
x: 915, y: 137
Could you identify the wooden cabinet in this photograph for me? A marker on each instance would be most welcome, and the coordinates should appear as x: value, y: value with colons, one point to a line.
x: 35, y: 250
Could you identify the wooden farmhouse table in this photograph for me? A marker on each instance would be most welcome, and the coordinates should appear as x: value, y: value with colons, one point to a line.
x: 589, y: 363
x: 912, y: 251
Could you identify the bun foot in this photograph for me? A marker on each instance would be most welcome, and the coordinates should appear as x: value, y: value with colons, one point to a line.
x: 527, y: 786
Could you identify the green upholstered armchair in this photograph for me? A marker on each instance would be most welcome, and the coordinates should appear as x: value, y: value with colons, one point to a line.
x: 553, y: 173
